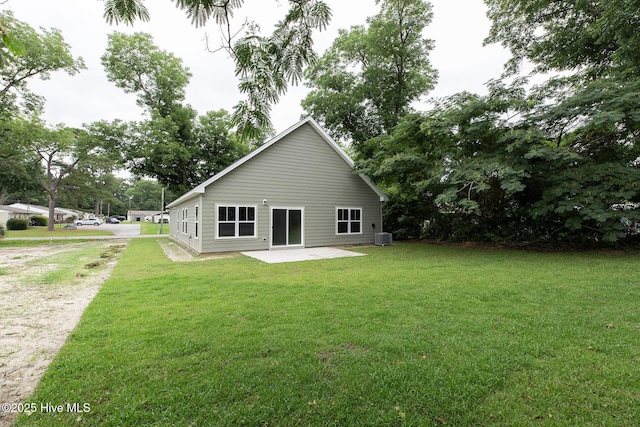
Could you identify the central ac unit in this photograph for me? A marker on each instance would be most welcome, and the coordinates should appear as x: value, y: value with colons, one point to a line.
x: 384, y: 239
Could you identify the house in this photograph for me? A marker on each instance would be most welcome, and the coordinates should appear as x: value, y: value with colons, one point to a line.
x: 8, y: 212
x: 164, y: 217
x: 297, y: 190
x: 59, y: 214
x: 141, y: 216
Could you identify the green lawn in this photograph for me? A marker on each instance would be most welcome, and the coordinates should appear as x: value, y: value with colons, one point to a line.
x: 85, y: 230
x: 152, y: 228
x: 409, y: 335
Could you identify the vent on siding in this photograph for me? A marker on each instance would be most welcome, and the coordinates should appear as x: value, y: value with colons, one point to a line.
x: 384, y: 239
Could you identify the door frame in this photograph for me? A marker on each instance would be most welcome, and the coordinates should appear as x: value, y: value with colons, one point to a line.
x: 287, y: 208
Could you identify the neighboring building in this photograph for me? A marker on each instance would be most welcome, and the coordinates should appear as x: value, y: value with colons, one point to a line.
x: 8, y: 212
x: 141, y: 216
x: 59, y: 214
x: 164, y: 217
x: 296, y: 190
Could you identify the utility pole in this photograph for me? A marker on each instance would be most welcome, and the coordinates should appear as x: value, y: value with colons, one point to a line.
x: 162, y: 210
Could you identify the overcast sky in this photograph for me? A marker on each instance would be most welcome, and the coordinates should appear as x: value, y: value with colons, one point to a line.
x: 458, y: 29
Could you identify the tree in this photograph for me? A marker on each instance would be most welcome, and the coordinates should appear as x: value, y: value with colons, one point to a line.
x: 567, y: 35
x: 591, y: 111
x: 487, y: 168
x: 17, y: 170
x: 134, y: 63
x: 365, y: 83
x: 145, y: 195
x: 57, y: 151
x: 92, y: 184
x: 165, y: 146
x: 265, y: 65
x: 24, y: 54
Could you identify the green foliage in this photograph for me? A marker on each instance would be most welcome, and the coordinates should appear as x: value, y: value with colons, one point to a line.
x: 26, y: 53
x: 555, y: 163
x: 127, y: 11
x: 265, y: 65
x: 2, y: 232
x: 589, y: 35
x: 367, y: 80
x: 489, y: 169
x: 145, y: 195
x: 39, y: 221
x: 134, y: 63
x: 164, y: 146
x: 17, y: 224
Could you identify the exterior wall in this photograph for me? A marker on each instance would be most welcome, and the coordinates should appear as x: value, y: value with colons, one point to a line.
x: 4, y: 217
x: 299, y: 171
x: 176, y: 225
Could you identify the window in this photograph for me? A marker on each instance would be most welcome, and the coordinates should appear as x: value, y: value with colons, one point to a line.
x: 349, y: 221
x: 196, y: 222
x: 236, y: 221
x: 185, y: 223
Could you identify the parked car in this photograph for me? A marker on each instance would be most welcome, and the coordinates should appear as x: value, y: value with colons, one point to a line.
x: 89, y: 221
x: 112, y: 220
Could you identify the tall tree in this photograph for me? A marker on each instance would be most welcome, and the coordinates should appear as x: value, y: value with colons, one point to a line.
x: 485, y: 168
x: 557, y: 163
x: 24, y: 54
x: 365, y: 83
x: 165, y: 145
x: 57, y: 151
x: 265, y: 65
x: 145, y: 195
x: 567, y: 35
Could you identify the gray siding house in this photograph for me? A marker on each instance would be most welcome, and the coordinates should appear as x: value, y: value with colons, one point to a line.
x: 297, y: 190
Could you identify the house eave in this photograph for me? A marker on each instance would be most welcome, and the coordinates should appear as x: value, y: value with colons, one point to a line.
x: 187, y: 196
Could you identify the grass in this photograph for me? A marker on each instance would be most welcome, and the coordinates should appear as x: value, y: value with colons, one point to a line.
x: 31, y: 243
x: 151, y: 228
x: 408, y: 335
x: 69, y: 265
x: 58, y: 231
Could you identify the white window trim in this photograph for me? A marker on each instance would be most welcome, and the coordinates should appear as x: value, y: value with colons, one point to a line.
x: 237, y: 221
x: 288, y: 208
x: 350, y: 208
x: 196, y: 221
x: 185, y: 221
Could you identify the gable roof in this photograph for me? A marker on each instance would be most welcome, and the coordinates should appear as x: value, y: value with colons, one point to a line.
x: 14, y: 209
x: 200, y: 189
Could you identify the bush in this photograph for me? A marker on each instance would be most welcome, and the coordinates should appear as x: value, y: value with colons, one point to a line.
x: 17, y: 224
x: 2, y: 233
x: 39, y: 221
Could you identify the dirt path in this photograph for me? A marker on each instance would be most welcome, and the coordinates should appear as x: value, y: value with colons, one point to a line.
x: 37, y: 317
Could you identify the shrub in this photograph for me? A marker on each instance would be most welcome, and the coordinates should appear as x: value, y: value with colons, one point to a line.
x: 39, y: 221
x: 17, y: 224
x: 2, y: 233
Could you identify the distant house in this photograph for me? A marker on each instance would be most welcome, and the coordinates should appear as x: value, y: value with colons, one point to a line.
x: 8, y: 212
x: 165, y: 218
x: 297, y: 190
x: 59, y: 214
x: 141, y: 216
